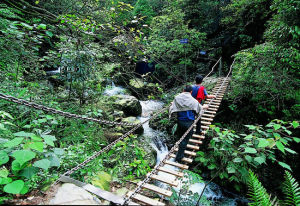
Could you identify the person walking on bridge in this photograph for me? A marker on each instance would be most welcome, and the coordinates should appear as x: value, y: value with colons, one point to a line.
x: 200, y: 94
x: 186, y: 107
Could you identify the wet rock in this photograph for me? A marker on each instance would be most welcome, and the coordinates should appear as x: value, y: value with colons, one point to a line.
x: 70, y: 194
x: 133, y: 120
x: 130, y: 105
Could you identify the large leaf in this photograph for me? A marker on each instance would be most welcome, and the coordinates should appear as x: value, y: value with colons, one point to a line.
x: 260, y: 160
x: 49, y: 139
x: 44, y: 164
x: 250, y: 150
x: 14, y: 142
x: 28, y: 172
x: 263, y: 142
x: 54, y: 161
x: 24, y: 134
x: 16, y: 166
x: 23, y: 156
x: 3, y: 157
x: 15, y: 187
x: 39, y: 146
x: 4, y: 181
x: 58, y: 151
x: 280, y: 146
x: 284, y: 165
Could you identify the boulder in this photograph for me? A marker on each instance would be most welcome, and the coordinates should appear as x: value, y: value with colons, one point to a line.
x: 130, y: 105
x: 133, y: 120
x: 70, y: 194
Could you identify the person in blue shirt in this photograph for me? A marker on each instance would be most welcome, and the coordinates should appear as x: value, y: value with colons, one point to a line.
x: 186, y: 107
x: 200, y: 94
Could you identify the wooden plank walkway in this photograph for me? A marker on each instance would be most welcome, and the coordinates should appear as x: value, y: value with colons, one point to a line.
x: 196, y: 140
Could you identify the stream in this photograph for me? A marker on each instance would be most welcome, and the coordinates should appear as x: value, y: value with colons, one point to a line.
x: 191, y: 186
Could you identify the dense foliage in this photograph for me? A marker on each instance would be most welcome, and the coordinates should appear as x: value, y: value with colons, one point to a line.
x: 65, y: 53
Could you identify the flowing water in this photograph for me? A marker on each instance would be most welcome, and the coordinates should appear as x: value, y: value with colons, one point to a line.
x: 213, y: 192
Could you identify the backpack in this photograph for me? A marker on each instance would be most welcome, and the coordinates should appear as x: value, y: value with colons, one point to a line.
x: 200, y: 94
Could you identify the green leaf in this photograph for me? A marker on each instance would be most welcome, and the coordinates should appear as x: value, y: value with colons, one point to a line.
x: 24, y: 190
x: 295, y: 124
x: 290, y: 151
x: 260, y: 160
x: 23, y: 134
x: 263, y: 142
x: 15, y: 166
x: 49, y: 139
x: 28, y: 172
x: 54, y: 161
x: 280, y: 146
x: 248, y: 158
x: 14, y: 142
x: 4, y: 172
x: 230, y: 170
x: 23, y: 156
x: 250, y: 150
x: 36, y: 138
x: 58, y: 151
x: 237, y: 159
x: 212, y: 166
x: 42, y: 26
x: 296, y: 139
x: 15, y: 187
x: 26, y: 26
x: 39, y: 146
x: 3, y: 157
x: 49, y: 33
x: 4, y: 181
x: 276, y: 126
x: 284, y: 165
x: 44, y: 164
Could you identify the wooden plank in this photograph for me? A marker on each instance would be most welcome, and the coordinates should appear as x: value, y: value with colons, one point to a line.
x: 207, y: 115
x: 207, y: 119
x: 144, y: 199
x: 204, y: 127
x: 213, y: 106
x: 210, y: 112
x: 205, y: 123
x: 195, y: 141
x: 182, y: 166
x: 198, y: 136
x: 156, y: 189
x: 165, y: 180
x: 187, y: 152
x: 95, y: 190
x: 184, y: 159
x: 192, y: 147
x: 164, y: 169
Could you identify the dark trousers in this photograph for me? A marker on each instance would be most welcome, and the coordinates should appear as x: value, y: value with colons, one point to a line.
x: 198, y: 127
x: 181, y: 129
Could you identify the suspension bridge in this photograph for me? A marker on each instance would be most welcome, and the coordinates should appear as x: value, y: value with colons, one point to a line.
x: 174, y: 173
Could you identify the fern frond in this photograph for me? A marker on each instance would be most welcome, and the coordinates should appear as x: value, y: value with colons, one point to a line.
x: 291, y: 190
x: 257, y: 192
